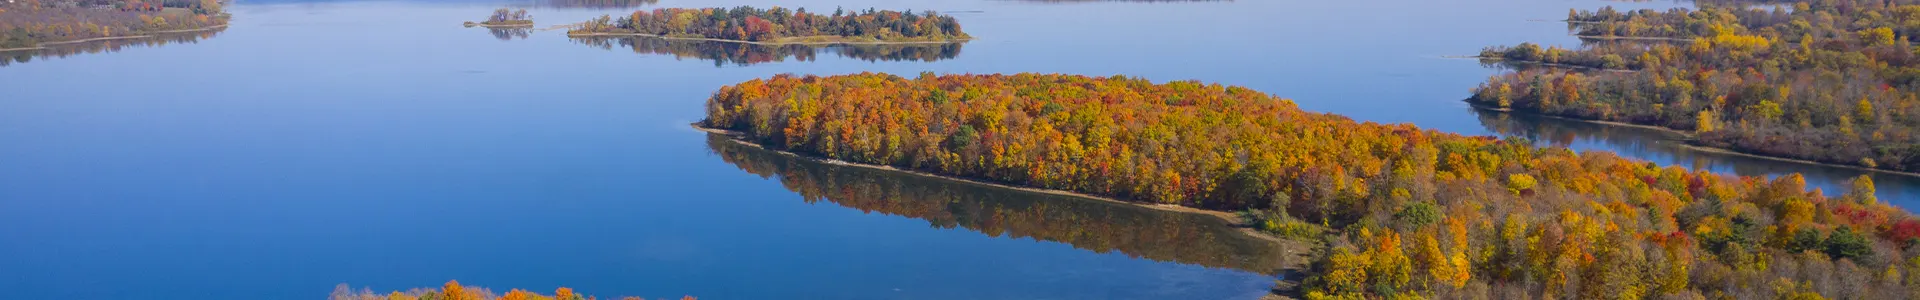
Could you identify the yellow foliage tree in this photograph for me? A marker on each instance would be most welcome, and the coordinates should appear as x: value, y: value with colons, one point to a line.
x: 453, y: 291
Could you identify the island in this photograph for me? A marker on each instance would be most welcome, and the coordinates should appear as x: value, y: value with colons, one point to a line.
x: 744, y: 54
x: 1397, y: 211
x: 504, y: 18
x: 453, y: 290
x: 38, y: 24
x: 780, y: 26
x: 1827, y: 84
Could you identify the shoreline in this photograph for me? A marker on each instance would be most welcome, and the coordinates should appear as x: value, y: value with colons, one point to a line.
x: 1294, y: 264
x: 21, y: 49
x: 1229, y: 217
x: 1632, y: 38
x: 770, y: 43
x: 1297, y: 251
x: 1561, y: 65
x: 1688, y: 142
x: 42, y: 46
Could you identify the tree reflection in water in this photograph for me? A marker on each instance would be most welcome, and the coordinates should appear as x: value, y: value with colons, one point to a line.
x: 510, y: 33
x: 1086, y: 224
x: 1671, y: 148
x: 8, y: 58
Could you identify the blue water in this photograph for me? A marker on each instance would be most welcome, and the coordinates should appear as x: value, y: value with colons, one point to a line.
x: 382, y: 145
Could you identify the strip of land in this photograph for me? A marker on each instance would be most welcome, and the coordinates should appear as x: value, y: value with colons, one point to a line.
x: 146, y: 35
x: 1633, y: 38
x: 1690, y: 142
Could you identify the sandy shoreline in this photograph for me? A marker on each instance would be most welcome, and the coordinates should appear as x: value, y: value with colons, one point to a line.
x: 768, y: 43
x: 1688, y: 141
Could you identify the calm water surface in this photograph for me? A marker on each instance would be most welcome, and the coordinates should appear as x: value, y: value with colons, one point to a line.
x: 381, y: 144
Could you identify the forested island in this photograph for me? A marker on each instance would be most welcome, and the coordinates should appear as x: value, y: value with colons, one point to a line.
x: 780, y: 26
x: 505, y: 18
x: 453, y: 290
x: 744, y: 54
x: 1401, y: 211
x: 1829, y: 81
x: 36, y: 24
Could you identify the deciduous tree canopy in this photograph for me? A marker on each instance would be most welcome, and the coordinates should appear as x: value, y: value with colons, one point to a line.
x: 1833, y: 81
x: 30, y: 23
x: 1420, y: 213
x: 453, y: 290
x: 764, y: 25
x: 742, y: 54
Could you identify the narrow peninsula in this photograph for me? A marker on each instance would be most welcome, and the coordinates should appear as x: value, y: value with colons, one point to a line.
x: 37, y: 24
x: 780, y: 26
x: 1832, y: 82
x: 1400, y: 211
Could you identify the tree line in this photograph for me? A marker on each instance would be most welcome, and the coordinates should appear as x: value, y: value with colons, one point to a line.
x: 453, y: 290
x: 30, y: 23
x: 505, y: 16
x: 1832, y: 81
x: 1403, y: 211
x: 754, y: 24
x: 742, y: 54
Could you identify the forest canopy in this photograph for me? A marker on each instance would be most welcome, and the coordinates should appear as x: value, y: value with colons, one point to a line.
x: 1831, y: 81
x: 506, y: 17
x: 26, y: 24
x: 453, y: 290
x: 780, y: 25
x: 1408, y: 212
x: 743, y: 54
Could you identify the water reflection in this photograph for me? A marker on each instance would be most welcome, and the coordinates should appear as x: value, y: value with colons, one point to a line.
x: 1507, y: 66
x: 1586, y: 43
x: 1086, y: 224
x: 510, y: 33
x: 744, y: 54
x: 1667, y: 148
x: 115, y: 45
